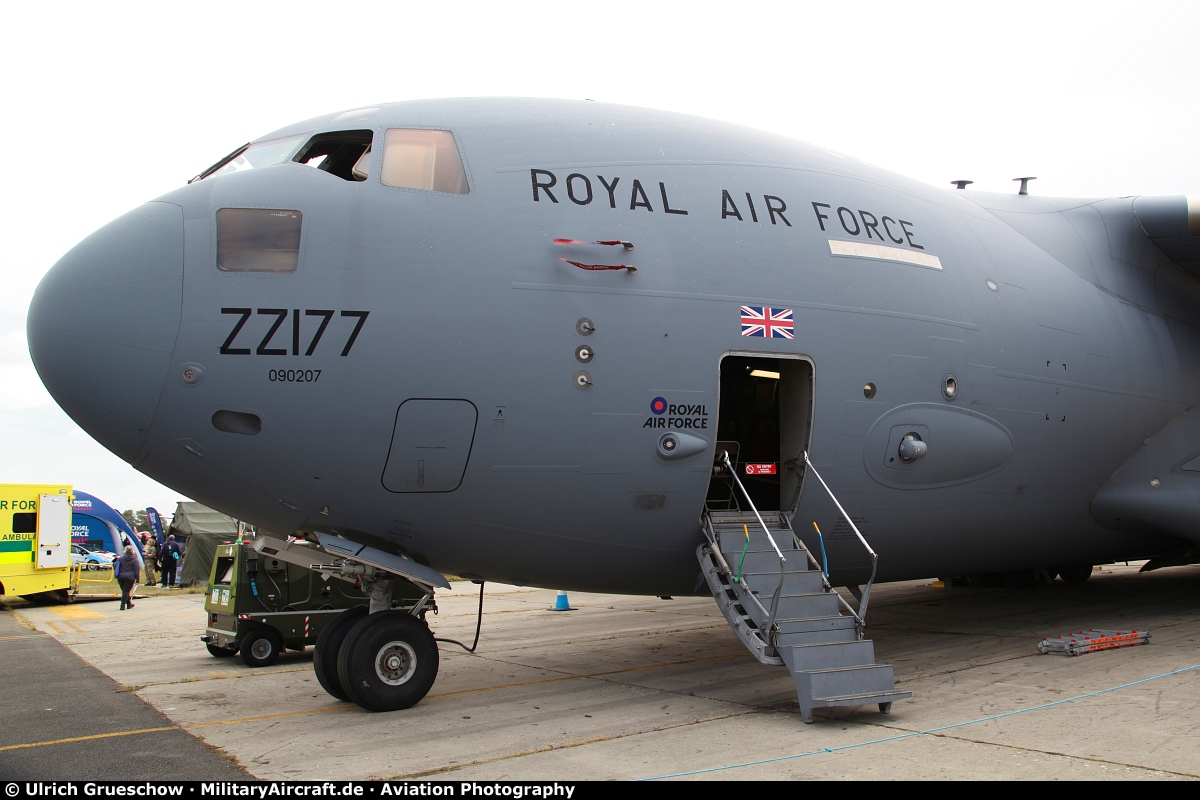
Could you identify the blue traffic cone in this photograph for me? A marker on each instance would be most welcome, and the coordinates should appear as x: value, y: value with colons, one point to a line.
x: 560, y: 602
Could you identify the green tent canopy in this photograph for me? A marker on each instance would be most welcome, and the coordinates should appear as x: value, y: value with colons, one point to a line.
x: 199, y: 529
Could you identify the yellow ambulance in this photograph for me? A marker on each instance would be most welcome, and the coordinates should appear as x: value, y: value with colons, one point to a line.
x: 35, y: 540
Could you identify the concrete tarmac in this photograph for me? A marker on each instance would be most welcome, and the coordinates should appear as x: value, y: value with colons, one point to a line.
x: 62, y: 719
x: 634, y: 688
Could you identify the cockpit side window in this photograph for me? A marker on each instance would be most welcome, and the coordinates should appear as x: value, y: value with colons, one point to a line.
x: 345, y: 154
x: 258, y: 239
x: 414, y: 158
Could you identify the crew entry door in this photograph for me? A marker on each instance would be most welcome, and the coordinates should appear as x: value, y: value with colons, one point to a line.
x: 764, y: 422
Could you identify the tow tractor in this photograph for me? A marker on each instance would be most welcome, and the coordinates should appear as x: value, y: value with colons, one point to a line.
x: 267, y: 595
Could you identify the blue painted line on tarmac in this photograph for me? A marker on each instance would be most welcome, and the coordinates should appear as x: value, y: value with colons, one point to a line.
x: 926, y: 732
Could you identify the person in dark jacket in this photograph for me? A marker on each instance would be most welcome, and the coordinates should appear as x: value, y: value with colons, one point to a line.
x: 170, y: 557
x: 128, y: 573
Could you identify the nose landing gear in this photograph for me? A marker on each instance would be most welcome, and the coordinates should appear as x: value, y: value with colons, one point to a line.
x: 384, y: 661
x: 381, y: 656
x: 388, y: 661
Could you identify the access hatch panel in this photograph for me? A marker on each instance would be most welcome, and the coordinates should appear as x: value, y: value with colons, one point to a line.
x: 430, y: 445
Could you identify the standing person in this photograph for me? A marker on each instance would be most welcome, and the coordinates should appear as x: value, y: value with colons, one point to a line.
x: 128, y: 571
x: 171, y: 554
x: 150, y: 554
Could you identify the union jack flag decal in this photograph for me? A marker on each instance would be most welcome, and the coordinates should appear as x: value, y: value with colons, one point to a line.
x: 767, y: 323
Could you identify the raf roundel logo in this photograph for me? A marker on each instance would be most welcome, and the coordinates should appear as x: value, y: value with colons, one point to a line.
x: 658, y: 405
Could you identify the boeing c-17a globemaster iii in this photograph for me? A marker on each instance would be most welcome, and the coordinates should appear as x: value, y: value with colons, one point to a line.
x: 590, y: 347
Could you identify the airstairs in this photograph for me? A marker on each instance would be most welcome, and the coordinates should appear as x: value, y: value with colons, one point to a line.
x: 777, y: 598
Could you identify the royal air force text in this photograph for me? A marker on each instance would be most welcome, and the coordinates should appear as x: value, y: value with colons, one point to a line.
x: 679, y: 416
x: 635, y: 194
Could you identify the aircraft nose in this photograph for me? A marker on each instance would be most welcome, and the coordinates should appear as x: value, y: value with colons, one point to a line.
x: 103, y: 322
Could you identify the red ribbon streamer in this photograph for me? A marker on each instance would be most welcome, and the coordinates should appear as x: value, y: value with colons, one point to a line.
x: 598, y: 266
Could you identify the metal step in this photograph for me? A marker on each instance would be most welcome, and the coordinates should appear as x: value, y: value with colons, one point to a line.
x: 763, y: 583
x: 832, y: 683
x: 829, y: 655
x: 830, y: 622
x: 808, y: 604
x: 883, y: 699
x: 724, y: 519
x: 809, y: 633
x: 817, y: 630
x: 793, y: 608
x: 846, y: 686
x: 767, y: 563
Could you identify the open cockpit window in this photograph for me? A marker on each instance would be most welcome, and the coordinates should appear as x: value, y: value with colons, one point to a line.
x: 253, y: 156
x: 415, y: 158
x: 346, y: 154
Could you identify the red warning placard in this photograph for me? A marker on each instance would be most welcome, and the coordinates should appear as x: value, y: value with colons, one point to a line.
x: 760, y: 469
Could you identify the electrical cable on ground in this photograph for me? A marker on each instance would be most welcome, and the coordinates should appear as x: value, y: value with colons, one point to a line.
x: 478, y: 625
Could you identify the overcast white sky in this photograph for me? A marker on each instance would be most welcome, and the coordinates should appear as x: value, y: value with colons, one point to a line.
x: 107, y: 105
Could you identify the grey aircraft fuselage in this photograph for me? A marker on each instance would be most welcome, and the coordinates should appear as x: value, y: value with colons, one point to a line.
x: 430, y: 376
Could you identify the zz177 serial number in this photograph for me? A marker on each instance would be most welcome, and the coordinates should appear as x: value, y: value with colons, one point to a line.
x: 313, y: 321
x: 294, y: 375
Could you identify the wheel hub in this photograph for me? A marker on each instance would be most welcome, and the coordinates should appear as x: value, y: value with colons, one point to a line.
x: 395, y: 663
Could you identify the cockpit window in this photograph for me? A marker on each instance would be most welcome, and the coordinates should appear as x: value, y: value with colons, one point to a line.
x: 253, y: 156
x: 345, y: 154
x: 422, y: 159
x: 258, y: 239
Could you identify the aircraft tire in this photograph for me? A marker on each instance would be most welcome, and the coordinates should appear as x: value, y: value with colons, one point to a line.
x: 220, y: 652
x: 1075, y: 573
x: 261, y: 647
x: 388, y: 661
x: 329, y: 644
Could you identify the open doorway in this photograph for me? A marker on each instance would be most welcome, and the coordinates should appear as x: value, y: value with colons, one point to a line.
x: 764, y: 422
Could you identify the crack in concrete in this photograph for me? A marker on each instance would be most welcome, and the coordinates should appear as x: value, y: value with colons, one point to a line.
x: 566, y: 746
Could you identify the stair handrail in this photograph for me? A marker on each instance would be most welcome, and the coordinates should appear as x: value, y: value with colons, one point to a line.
x: 766, y: 530
x: 798, y: 543
x: 770, y: 626
x: 866, y: 593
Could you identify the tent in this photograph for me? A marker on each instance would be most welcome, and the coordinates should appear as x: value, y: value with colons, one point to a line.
x: 96, y: 525
x: 199, y: 529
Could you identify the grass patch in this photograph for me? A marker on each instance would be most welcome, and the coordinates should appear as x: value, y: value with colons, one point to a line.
x: 159, y: 591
